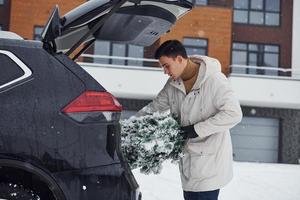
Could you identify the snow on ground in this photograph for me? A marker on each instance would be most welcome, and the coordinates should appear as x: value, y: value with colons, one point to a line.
x: 252, y: 181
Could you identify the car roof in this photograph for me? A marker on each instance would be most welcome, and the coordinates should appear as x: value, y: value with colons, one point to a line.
x: 10, y: 35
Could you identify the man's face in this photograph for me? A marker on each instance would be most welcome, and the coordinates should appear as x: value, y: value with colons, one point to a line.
x: 173, y: 66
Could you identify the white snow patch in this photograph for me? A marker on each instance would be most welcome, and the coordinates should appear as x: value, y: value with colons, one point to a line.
x: 14, y: 194
x: 252, y: 181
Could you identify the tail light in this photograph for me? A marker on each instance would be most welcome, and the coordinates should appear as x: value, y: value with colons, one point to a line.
x: 93, y: 106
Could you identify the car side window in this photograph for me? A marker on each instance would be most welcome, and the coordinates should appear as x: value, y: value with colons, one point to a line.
x: 12, y: 69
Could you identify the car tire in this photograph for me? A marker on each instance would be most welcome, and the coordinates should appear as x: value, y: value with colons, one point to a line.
x: 10, y: 191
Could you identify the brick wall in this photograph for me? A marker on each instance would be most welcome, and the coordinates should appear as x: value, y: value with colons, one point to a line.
x: 27, y: 14
x: 211, y: 23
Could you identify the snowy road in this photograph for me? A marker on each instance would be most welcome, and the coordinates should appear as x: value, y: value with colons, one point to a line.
x: 252, y: 181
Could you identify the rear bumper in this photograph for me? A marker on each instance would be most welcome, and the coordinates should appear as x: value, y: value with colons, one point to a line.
x: 106, y: 182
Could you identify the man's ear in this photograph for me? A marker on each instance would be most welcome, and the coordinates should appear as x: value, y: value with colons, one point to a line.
x: 179, y: 59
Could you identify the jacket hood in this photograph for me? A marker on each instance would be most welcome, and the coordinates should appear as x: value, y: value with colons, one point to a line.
x: 210, y: 67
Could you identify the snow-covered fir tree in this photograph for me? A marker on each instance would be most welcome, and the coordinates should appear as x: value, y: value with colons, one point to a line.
x: 149, y: 140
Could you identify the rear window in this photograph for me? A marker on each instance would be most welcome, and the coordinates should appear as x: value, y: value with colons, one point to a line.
x: 9, y: 70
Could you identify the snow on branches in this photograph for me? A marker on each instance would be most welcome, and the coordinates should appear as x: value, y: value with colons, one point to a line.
x: 149, y: 140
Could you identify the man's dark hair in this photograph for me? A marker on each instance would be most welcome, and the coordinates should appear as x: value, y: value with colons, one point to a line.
x: 171, y: 48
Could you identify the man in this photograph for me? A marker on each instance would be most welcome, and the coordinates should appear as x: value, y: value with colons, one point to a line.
x: 200, y: 97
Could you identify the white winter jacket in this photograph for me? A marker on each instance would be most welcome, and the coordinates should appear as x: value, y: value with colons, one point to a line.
x: 213, y: 109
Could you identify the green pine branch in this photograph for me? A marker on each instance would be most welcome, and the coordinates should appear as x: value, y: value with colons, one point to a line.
x: 149, y: 140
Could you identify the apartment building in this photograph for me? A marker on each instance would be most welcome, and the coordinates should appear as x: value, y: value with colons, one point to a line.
x: 253, y: 41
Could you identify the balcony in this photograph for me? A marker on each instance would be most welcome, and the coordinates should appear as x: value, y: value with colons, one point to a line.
x: 145, y: 81
x: 124, y: 81
x: 263, y: 90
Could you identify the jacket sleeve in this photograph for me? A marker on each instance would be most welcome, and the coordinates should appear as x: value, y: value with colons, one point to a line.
x: 228, y: 109
x: 159, y: 104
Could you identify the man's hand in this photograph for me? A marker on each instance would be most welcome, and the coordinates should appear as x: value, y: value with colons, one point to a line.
x: 188, y: 132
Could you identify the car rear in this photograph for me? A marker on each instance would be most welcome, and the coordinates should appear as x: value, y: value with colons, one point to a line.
x: 60, y: 120
x: 98, y: 113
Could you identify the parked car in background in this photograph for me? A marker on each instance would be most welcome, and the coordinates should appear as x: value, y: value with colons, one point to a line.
x: 59, y: 128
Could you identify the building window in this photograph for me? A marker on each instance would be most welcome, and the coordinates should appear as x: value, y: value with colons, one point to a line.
x: 135, y: 52
x: 102, y: 48
x: 120, y: 51
x: 264, y: 55
x: 38, y: 33
x: 198, y: 2
x: 259, y: 12
x: 195, y: 46
x: 1, y: 2
x: 107, y: 48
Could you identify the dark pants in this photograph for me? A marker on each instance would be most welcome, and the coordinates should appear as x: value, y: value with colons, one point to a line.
x: 209, y: 195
